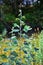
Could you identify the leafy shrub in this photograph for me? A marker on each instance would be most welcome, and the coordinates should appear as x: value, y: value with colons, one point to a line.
x: 35, y: 18
x: 9, y: 17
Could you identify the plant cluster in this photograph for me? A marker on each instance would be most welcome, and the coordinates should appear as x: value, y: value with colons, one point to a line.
x: 22, y: 51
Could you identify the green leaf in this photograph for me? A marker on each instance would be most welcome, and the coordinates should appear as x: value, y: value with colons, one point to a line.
x: 24, y: 35
x: 22, y: 22
x: 15, y: 30
x: 23, y: 18
x: 15, y: 25
x: 4, y: 32
x: 3, y: 56
x: 27, y: 28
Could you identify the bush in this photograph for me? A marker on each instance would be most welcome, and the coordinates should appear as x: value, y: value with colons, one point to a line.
x: 9, y: 17
x: 35, y: 18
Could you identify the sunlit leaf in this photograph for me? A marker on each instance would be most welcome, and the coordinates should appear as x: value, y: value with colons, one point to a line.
x: 22, y: 23
x: 27, y: 28
x: 15, y: 25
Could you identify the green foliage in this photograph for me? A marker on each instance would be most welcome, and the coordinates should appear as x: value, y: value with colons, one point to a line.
x: 17, y: 20
x: 1, y: 27
x: 41, y: 44
x: 9, y: 18
x: 35, y: 18
x: 21, y: 23
x: 0, y: 37
x: 15, y: 25
x: 4, y: 32
x: 27, y: 28
x: 22, y: 52
x: 23, y: 18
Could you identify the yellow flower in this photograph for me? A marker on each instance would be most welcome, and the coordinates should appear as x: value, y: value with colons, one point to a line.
x: 38, y: 63
x: 21, y: 54
x: 7, y: 53
x: 1, y: 52
x: 5, y: 60
x: 4, y: 46
x: 17, y: 49
x: 32, y: 63
x: 1, y: 60
x: 34, y: 53
x: 23, y: 60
